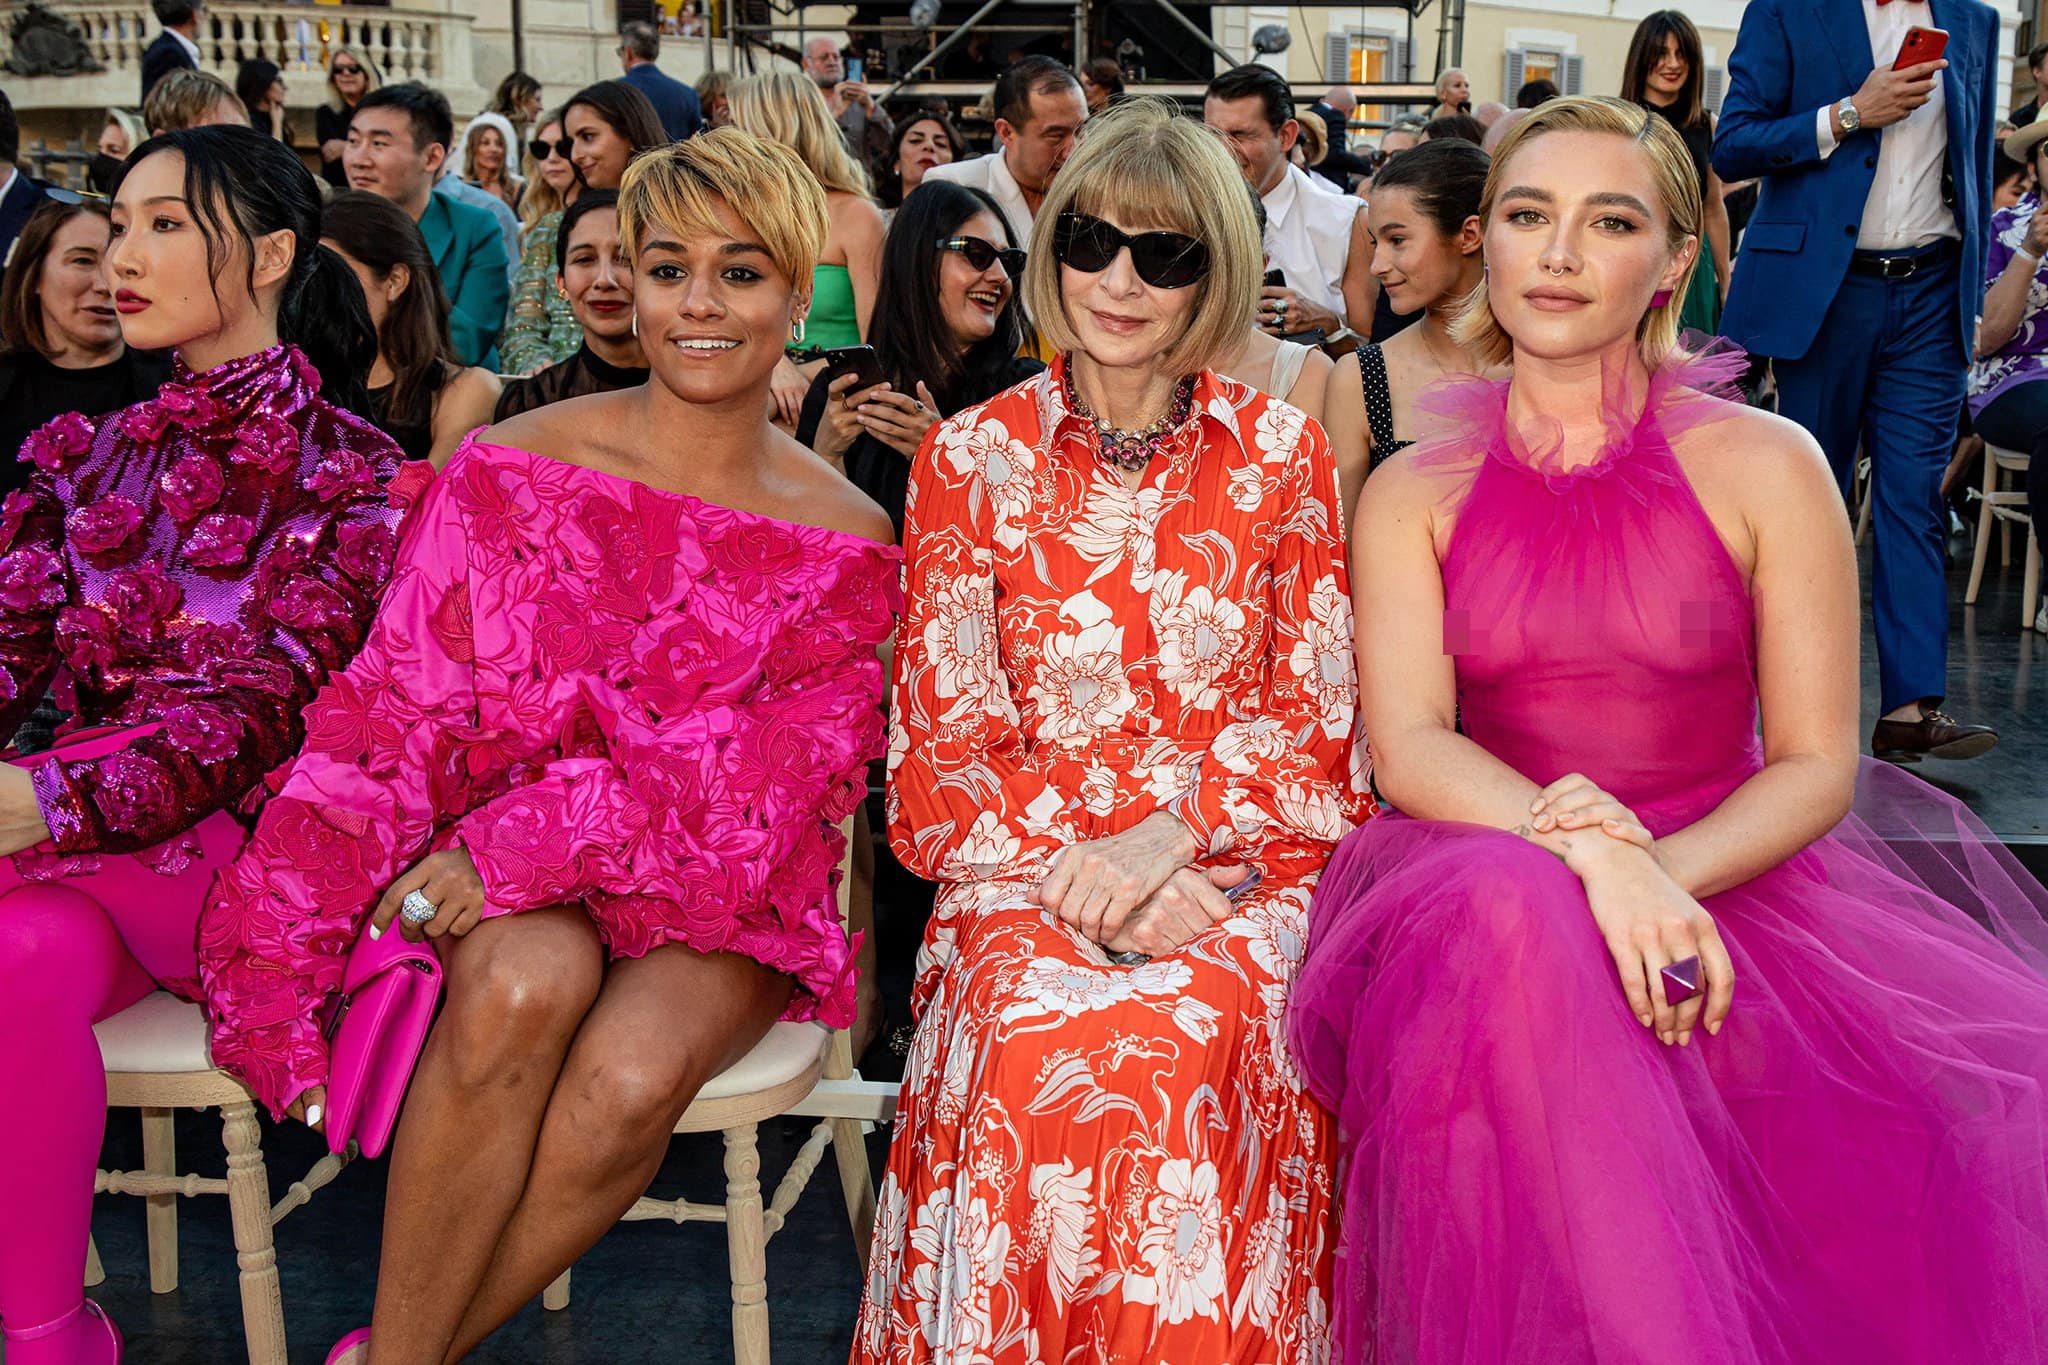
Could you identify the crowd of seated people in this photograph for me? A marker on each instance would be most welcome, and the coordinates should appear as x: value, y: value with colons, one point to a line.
x: 1217, y: 567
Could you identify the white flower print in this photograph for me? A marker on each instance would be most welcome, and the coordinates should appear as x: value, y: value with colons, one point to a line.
x: 1247, y: 488
x: 891, y: 1229
x: 1183, y: 1243
x: 1196, y: 1018
x: 1050, y: 986
x: 960, y: 640
x: 1322, y: 658
x: 1118, y: 523
x: 986, y: 450
x: 1062, y: 1215
x: 1266, y: 1253
x: 1199, y: 637
x: 1277, y: 431
x: 1081, y: 687
x: 987, y: 845
x: 962, y: 1256
x: 1098, y: 790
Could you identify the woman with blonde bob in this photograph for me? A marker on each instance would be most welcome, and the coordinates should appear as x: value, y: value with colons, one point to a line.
x: 785, y: 107
x: 621, y: 694
x: 1643, y: 1046
x: 1120, y: 741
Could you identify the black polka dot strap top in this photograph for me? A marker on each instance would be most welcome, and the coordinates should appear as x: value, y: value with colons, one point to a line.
x: 1379, y: 404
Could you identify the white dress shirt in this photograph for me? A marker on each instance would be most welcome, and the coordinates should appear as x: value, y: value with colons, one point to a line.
x: 1904, y: 209
x: 1308, y: 236
x: 991, y: 175
x: 191, y: 48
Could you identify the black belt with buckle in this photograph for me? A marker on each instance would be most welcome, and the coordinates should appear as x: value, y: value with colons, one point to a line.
x: 1902, y: 266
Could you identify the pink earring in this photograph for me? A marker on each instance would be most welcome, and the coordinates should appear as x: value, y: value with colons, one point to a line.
x: 1660, y: 298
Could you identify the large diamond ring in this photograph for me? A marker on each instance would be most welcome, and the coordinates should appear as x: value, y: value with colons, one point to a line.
x: 416, y: 909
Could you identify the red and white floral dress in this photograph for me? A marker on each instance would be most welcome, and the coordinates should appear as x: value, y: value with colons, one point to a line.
x: 1096, y: 1162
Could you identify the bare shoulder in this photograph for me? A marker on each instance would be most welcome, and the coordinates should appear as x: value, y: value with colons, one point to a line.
x: 562, y: 429
x: 1764, y: 464
x: 475, y: 385
x: 1317, y: 362
x: 820, y: 495
x: 854, y: 213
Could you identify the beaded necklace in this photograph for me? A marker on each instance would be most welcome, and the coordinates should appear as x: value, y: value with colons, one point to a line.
x: 1131, y: 450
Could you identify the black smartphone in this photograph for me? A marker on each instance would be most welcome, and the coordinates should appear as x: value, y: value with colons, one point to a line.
x: 854, y: 360
x: 1276, y: 278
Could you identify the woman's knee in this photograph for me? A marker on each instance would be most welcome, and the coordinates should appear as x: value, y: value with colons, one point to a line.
x: 516, y: 998
x: 57, y: 946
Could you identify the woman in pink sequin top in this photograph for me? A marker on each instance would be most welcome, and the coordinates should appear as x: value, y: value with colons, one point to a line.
x: 188, y: 570
x: 622, y: 691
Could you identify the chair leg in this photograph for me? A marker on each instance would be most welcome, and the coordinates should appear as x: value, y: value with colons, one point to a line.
x: 857, y: 1182
x: 746, y: 1245
x: 1982, y: 550
x: 255, y: 1247
x: 95, y: 1273
x: 556, y: 1296
x: 2030, y: 596
x: 160, y: 1157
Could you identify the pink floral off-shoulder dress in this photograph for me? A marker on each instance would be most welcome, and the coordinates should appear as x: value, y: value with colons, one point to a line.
x: 612, y: 695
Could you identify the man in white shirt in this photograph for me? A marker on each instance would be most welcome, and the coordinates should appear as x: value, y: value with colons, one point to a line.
x: 1860, y: 275
x: 1315, y: 236
x: 1039, y: 111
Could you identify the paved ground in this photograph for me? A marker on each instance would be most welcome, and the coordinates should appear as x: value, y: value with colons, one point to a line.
x: 658, y: 1293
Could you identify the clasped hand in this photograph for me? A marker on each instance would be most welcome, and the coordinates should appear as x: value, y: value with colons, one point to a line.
x: 898, y: 420
x: 1135, y: 891
x: 1647, y: 920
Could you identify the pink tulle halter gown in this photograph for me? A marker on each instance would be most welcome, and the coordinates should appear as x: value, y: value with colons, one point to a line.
x: 1854, y: 1171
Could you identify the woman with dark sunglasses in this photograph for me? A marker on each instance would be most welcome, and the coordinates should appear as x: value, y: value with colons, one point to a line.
x: 946, y: 329
x: 1121, y: 742
x: 349, y: 78
x: 601, y: 129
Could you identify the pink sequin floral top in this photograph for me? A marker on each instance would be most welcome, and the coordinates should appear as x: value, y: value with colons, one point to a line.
x: 614, y: 696
x: 196, y: 563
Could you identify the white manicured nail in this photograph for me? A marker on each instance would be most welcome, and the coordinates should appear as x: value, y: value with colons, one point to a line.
x: 375, y: 933
x: 313, y: 1113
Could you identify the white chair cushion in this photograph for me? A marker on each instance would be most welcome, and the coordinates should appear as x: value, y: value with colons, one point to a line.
x: 786, y: 1053
x: 157, y: 1033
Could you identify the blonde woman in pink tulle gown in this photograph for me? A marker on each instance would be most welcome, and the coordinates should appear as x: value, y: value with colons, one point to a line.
x: 1576, y: 602
x: 623, y: 689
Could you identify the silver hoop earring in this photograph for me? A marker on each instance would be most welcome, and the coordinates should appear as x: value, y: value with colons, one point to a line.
x: 636, y: 324
x: 796, y: 332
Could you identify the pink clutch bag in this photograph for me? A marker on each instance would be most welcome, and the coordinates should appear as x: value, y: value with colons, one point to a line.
x: 379, y: 1024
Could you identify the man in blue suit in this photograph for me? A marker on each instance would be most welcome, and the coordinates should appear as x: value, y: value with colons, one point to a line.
x: 19, y: 195
x: 398, y: 141
x: 675, y: 104
x: 177, y: 47
x: 1860, y: 275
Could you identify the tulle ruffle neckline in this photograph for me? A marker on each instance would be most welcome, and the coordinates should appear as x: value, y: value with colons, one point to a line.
x: 1469, y: 415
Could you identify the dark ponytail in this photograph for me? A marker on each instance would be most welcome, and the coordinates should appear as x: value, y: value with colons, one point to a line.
x: 240, y: 184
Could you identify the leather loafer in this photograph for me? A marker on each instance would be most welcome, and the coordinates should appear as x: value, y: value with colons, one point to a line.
x: 1936, y: 734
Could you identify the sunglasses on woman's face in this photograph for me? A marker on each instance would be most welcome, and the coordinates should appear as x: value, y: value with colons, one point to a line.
x: 982, y: 254
x: 347, y: 69
x: 560, y: 147
x: 1164, y: 260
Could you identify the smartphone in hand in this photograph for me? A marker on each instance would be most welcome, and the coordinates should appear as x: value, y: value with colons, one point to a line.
x: 855, y: 68
x: 855, y: 360
x: 1921, y: 45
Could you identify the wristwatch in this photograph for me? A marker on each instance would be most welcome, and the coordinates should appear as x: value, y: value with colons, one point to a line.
x: 1846, y: 115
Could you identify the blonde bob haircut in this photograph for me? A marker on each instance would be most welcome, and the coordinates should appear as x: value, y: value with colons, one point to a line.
x: 786, y: 107
x: 1678, y: 194
x: 1145, y: 167
x: 771, y: 192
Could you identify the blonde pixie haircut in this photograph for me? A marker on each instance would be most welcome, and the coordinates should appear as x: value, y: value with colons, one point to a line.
x: 1678, y: 193
x: 1143, y: 166
x: 786, y: 107
x: 763, y: 183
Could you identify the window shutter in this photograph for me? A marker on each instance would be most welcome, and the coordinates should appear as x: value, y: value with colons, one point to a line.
x: 1337, y: 57
x: 1512, y: 78
x: 1398, y: 59
x: 1716, y: 87
x: 1574, y: 73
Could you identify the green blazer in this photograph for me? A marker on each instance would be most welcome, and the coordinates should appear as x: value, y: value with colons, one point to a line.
x: 470, y: 254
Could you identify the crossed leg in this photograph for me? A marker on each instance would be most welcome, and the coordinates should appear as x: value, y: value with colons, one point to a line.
x: 541, y: 1111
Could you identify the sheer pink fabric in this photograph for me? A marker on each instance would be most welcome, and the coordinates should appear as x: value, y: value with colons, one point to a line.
x: 1855, y: 1169
x: 652, y: 706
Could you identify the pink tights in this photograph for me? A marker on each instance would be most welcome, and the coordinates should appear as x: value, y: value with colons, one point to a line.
x: 74, y: 952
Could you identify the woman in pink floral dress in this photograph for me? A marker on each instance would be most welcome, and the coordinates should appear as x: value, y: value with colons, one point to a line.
x: 188, y: 570
x: 622, y: 691
x: 1124, y: 684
